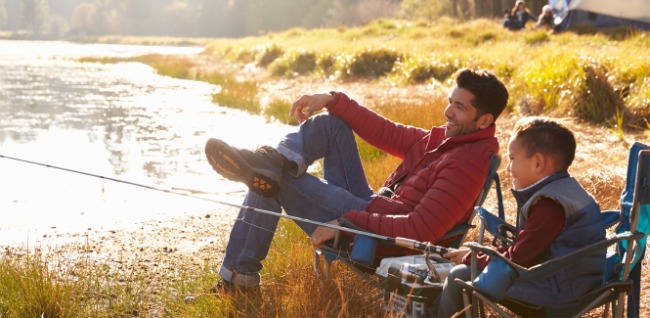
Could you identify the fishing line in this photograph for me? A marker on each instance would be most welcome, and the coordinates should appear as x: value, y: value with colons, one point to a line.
x: 399, y: 241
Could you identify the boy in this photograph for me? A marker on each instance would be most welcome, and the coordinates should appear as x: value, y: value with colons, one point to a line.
x: 555, y: 214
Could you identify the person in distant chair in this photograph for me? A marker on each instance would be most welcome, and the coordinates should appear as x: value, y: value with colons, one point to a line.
x: 519, y: 16
x: 546, y: 19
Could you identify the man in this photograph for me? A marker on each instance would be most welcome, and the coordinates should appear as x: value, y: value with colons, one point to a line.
x: 431, y: 191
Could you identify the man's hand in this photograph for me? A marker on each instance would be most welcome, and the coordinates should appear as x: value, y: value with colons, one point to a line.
x: 456, y: 256
x: 322, y: 234
x: 307, y: 105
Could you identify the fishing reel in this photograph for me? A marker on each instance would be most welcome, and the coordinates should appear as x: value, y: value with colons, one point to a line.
x: 428, y: 269
x: 411, y: 283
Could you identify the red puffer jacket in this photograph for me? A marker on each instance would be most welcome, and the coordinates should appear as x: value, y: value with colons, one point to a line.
x: 442, y: 177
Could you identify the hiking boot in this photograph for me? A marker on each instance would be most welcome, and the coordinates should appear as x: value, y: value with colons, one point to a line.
x: 224, y: 287
x: 260, y: 170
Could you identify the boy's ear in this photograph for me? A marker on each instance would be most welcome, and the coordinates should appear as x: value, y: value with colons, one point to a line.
x: 485, y: 120
x: 542, y: 163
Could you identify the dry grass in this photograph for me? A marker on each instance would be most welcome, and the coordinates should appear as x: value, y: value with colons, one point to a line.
x: 545, y: 74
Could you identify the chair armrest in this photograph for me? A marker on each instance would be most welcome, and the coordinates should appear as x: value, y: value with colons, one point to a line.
x: 497, y: 226
x: 475, y: 247
x: 610, y: 217
x: 346, y: 223
x: 550, y: 267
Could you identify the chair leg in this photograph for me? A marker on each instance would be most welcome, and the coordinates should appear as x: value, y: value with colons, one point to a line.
x: 476, y: 307
x: 321, y: 273
x: 617, y: 306
x: 487, y: 302
x: 466, y: 303
x: 481, y: 309
x: 606, y: 310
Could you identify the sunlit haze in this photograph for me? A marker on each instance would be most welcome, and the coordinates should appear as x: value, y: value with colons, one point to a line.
x: 116, y: 120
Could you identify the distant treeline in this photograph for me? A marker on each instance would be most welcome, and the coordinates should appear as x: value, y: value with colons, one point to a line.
x: 223, y: 18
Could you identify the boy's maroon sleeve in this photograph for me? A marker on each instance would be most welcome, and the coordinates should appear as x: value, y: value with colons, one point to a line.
x: 545, y: 222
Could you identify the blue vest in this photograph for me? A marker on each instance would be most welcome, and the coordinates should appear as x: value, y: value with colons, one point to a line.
x: 582, y: 228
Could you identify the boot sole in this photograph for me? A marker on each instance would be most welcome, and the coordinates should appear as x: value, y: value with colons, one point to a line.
x: 226, y: 161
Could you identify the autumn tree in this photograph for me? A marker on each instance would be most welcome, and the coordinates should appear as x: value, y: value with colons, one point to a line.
x: 84, y: 18
x: 427, y: 10
x: 33, y: 14
x: 369, y: 10
x: 3, y: 13
x: 213, y: 18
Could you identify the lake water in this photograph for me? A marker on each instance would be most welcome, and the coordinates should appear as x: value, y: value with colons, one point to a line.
x: 116, y: 120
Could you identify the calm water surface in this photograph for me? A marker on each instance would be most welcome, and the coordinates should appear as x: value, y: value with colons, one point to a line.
x: 118, y: 120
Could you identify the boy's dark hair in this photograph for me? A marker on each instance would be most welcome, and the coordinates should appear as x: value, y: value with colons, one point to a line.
x: 490, y: 95
x: 548, y: 137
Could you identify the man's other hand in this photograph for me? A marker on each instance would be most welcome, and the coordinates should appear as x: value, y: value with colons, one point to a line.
x: 307, y: 105
x: 323, y: 233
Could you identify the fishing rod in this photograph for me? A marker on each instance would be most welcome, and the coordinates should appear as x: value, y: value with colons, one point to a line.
x: 399, y: 241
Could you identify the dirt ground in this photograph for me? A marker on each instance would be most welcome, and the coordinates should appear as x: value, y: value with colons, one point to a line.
x: 157, y: 248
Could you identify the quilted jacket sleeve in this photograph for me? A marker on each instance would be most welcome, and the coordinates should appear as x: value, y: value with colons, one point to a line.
x: 391, y: 137
x: 430, y: 202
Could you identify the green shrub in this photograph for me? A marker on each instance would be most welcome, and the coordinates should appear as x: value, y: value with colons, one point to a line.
x: 30, y: 287
x: 326, y: 63
x: 536, y: 37
x: 372, y: 63
x: 278, y: 109
x: 638, y: 103
x: 295, y: 32
x: 233, y: 93
x: 300, y: 63
x: 414, y: 70
x: 484, y: 37
x: 244, y: 54
x: 550, y: 83
x: 419, y: 69
x: 266, y: 54
x: 597, y: 101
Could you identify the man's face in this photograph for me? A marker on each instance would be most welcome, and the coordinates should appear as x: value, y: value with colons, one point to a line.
x: 461, y: 114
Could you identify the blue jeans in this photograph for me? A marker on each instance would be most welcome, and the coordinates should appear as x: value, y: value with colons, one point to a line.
x: 450, y: 300
x: 343, y: 188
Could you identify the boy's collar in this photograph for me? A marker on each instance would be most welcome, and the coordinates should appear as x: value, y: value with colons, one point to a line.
x: 522, y: 195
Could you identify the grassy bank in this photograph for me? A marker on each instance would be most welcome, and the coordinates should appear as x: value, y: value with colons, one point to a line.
x: 599, y: 77
x: 598, y: 80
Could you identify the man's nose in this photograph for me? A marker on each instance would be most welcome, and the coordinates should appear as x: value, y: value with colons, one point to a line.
x: 448, y: 111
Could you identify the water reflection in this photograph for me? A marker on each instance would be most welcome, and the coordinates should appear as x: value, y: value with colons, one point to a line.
x: 119, y: 120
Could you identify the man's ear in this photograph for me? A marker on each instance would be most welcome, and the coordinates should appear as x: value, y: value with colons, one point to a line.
x: 485, y: 120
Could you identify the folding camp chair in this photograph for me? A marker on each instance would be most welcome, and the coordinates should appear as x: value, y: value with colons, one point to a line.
x: 622, y: 275
x: 371, y: 265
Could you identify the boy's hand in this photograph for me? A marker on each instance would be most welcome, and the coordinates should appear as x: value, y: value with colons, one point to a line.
x: 456, y: 256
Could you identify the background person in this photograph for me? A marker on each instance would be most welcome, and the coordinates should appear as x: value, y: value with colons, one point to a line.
x: 546, y: 18
x: 520, y: 15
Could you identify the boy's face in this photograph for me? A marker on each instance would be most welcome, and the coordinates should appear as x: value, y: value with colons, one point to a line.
x: 523, y: 169
x: 461, y: 114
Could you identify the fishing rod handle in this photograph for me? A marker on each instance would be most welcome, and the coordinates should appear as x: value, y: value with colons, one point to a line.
x: 416, y: 245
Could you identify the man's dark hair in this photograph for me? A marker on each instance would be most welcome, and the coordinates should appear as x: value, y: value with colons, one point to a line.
x: 548, y: 137
x: 490, y: 95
